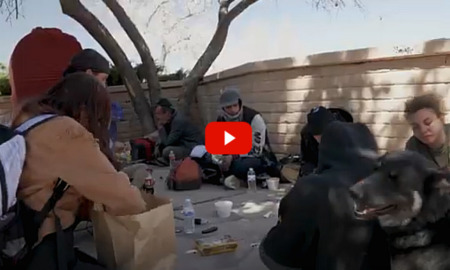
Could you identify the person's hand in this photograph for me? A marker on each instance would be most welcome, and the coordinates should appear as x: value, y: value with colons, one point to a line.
x: 226, y: 162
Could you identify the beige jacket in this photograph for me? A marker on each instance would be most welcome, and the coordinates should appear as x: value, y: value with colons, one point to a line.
x: 61, y: 147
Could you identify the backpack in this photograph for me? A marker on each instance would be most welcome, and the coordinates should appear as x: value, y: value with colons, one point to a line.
x: 185, y: 175
x: 19, y: 224
x: 142, y: 149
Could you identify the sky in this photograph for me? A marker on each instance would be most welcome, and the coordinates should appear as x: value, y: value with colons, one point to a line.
x: 266, y: 30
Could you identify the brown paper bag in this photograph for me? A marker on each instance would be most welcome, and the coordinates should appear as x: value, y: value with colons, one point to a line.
x: 139, y: 242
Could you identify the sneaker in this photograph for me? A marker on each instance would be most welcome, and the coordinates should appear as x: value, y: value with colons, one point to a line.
x: 232, y: 182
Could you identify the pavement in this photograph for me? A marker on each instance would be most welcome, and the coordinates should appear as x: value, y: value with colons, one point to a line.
x: 254, y: 213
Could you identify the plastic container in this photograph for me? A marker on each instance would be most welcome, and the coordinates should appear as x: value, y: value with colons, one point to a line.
x: 189, y: 217
x: 223, y: 208
x: 273, y: 183
x: 251, y: 180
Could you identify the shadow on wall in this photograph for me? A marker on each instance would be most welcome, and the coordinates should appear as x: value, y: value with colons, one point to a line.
x: 375, y: 91
x: 372, y: 89
x: 430, y: 74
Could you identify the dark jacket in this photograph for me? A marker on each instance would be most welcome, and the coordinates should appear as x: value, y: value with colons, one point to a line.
x: 438, y: 158
x: 181, y: 132
x: 248, y: 115
x: 317, y: 228
x: 309, y: 148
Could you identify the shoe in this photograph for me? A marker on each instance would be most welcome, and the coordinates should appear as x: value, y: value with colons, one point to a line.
x: 232, y: 182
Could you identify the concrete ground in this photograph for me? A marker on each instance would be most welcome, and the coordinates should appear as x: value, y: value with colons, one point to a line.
x: 253, y: 216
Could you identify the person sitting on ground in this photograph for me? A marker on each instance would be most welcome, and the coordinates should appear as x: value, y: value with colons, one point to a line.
x: 260, y: 158
x: 317, y: 228
x: 175, y: 132
x: 73, y: 147
x: 426, y: 115
x: 317, y: 119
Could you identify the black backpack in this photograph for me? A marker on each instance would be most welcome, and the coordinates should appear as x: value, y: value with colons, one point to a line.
x: 19, y: 224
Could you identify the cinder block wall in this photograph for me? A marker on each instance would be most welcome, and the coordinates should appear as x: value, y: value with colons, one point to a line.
x: 370, y: 83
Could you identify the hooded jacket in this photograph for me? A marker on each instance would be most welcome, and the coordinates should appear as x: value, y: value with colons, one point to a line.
x: 317, y: 228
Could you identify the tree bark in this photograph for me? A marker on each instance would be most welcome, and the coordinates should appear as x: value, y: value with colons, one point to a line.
x: 212, y: 51
x: 76, y: 10
x: 148, y: 63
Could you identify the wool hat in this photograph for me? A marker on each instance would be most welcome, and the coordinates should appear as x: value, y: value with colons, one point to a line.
x: 88, y: 59
x: 318, y: 118
x: 230, y: 96
x: 165, y: 103
x: 37, y: 62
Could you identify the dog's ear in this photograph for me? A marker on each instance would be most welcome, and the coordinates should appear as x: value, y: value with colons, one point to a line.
x: 440, y: 179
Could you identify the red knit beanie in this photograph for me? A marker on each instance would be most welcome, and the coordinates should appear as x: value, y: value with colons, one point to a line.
x: 38, y: 62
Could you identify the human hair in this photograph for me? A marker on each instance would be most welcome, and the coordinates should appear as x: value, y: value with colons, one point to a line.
x: 165, y: 109
x: 76, y: 93
x: 430, y: 101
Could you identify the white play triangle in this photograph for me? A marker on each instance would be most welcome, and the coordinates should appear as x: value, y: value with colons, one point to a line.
x: 228, y: 138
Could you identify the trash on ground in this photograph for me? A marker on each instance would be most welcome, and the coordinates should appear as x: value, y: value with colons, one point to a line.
x: 216, y: 245
x: 192, y: 251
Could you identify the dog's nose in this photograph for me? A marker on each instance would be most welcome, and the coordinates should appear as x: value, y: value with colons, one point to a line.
x: 356, y: 192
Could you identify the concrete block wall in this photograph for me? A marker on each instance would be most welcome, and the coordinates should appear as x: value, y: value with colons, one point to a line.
x: 371, y: 83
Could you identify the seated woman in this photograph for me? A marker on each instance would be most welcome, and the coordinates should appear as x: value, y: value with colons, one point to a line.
x: 426, y: 115
x: 71, y: 147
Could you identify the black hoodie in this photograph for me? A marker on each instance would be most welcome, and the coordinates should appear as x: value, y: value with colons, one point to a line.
x: 317, y: 228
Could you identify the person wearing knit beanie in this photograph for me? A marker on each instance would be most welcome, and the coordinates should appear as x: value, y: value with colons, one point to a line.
x: 261, y: 157
x: 176, y: 133
x: 37, y: 62
x: 91, y: 62
x: 318, y: 118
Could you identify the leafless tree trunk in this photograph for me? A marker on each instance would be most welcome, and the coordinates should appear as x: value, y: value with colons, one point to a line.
x: 148, y: 63
x: 76, y: 10
x: 212, y: 51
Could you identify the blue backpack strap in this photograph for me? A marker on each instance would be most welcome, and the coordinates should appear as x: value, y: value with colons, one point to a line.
x: 31, y: 123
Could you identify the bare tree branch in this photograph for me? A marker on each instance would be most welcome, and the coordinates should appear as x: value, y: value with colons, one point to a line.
x: 184, y: 18
x: 155, y: 11
x: 224, y: 5
x: 11, y: 8
x: 77, y: 11
x: 328, y: 4
x: 151, y: 71
x: 212, y: 51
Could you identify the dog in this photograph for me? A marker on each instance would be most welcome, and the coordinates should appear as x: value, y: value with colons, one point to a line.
x: 412, y: 203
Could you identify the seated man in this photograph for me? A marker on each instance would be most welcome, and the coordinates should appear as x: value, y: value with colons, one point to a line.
x: 176, y: 132
x: 261, y: 157
x: 318, y: 118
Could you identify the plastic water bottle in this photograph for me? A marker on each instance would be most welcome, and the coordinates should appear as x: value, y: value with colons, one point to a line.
x: 189, y: 217
x: 251, y: 180
x: 171, y: 159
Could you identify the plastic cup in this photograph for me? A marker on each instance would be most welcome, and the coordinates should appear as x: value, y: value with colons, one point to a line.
x: 273, y: 183
x: 223, y: 208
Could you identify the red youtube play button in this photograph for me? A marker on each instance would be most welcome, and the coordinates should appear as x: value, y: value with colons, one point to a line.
x: 228, y: 138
